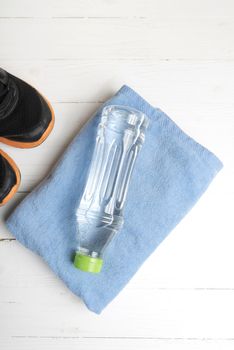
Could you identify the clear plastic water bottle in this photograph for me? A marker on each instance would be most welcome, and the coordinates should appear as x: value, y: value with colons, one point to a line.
x: 120, y: 135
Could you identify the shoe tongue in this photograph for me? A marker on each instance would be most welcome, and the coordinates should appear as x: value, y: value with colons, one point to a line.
x: 3, y: 91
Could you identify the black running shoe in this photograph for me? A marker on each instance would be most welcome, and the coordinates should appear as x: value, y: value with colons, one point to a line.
x: 9, y: 178
x: 26, y: 118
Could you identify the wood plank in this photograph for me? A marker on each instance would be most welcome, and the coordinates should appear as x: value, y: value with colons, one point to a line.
x: 5, y: 212
x: 63, y: 38
x: 169, y: 85
x: 115, y: 9
x: 74, y: 343
x: 35, y: 304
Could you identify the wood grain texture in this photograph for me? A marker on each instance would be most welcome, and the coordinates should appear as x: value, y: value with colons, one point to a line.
x: 180, y: 312
x: 63, y: 38
x: 119, y: 9
x: 180, y: 56
x: 74, y: 343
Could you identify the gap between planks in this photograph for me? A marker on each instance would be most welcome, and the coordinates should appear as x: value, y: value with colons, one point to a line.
x: 147, y: 59
x: 95, y: 337
x: 77, y: 17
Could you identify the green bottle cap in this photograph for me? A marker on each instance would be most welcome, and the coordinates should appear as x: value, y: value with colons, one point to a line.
x: 87, y: 263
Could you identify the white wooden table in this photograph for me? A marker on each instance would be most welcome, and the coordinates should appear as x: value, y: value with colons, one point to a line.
x: 180, y: 56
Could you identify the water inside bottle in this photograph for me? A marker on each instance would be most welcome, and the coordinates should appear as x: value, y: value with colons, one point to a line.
x: 119, y: 138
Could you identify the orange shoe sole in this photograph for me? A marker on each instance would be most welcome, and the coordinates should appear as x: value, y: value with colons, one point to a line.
x: 34, y: 143
x: 18, y: 178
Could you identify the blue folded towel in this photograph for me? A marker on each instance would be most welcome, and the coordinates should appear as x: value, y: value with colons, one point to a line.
x: 171, y: 173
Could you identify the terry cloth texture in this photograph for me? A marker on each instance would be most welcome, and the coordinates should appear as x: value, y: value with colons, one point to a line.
x: 171, y: 172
